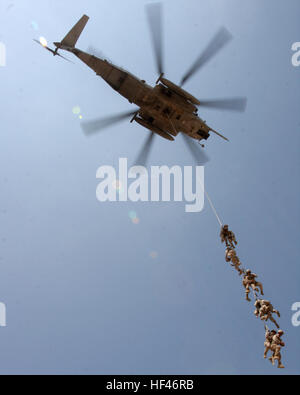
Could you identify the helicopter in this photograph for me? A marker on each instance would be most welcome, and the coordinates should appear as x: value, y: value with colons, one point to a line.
x: 165, y: 109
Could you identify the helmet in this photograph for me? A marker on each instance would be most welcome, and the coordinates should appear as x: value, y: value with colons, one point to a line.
x: 248, y: 271
x: 280, y: 332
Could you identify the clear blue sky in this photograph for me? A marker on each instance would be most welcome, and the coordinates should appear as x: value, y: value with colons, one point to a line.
x: 83, y: 294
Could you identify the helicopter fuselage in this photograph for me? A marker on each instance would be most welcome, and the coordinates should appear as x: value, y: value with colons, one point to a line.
x: 161, y: 109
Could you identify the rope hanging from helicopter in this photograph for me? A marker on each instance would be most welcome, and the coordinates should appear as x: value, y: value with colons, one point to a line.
x: 201, y: 184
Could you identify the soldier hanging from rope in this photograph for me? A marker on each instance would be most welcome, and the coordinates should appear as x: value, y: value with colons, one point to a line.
x: 230, y: 256
x: 277, y: 344
x: 264, y: 311
x: 268, y: 340
x: 228, y: 236
x: 249, y: 280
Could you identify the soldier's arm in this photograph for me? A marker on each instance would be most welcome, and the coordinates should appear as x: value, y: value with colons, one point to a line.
x: 267, y: 332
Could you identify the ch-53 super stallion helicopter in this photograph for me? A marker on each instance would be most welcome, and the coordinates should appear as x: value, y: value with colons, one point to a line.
x: 165, y: 109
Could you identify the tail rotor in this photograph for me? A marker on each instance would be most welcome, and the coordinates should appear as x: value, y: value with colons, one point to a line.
x: 54, y: 52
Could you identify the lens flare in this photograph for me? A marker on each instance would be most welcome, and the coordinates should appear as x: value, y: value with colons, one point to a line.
x: 43, y: 41
x: 117, y: 185
x: 76, y: 110
x: 132, y: 215
x: 153, y: 254
x: 34, y: 25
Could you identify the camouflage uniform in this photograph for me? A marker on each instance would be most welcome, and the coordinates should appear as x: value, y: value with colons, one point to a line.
x: 277, y: 343
x: 268, y: 340
x: 257, y: 305
x: 230, y: 255
x: 228, y: 236
x: 266, y: 312
x: 249, y: 280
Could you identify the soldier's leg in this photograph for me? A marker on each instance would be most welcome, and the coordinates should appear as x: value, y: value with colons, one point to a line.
x: 280, y: 365
x: 272, y: 359
x: 254, y: 287
x: 239, y: 269
x: 273, y: 350
x: 235, y: 266
x: 247, y: 293
x: 276, y: 312
x: 274, y: 322
x: 277, y: 356
x: 260, y: 287
x: 267, y: 348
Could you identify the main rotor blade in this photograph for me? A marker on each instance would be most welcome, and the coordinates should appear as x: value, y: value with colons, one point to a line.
x: 143, y: 156
x: 231, y: 104
x: 154, y: 14
x: 199, y: 155
x: 221, y: 38
x: 96, y: 125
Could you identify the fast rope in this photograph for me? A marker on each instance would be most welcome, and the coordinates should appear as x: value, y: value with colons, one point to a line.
x: 202, y: 186
x: 211, y: 204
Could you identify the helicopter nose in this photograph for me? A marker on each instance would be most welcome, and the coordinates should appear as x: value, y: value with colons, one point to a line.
x: 203, y: 134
